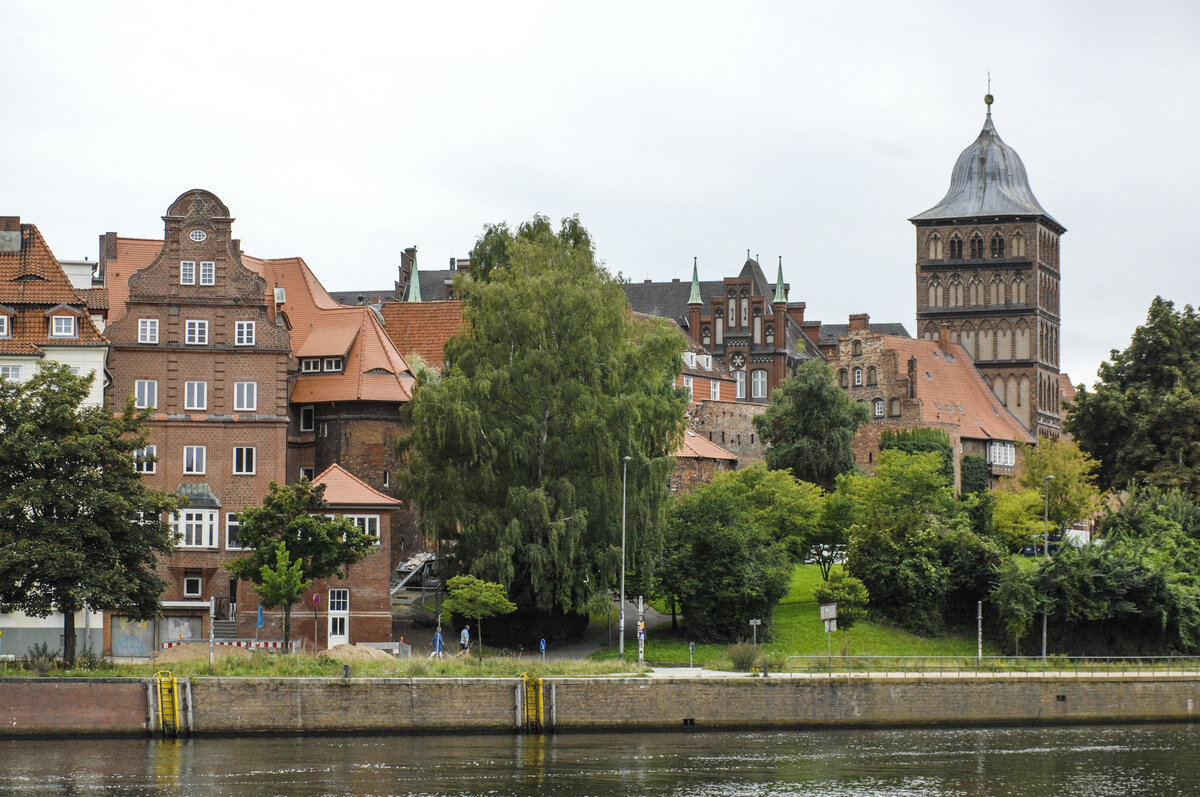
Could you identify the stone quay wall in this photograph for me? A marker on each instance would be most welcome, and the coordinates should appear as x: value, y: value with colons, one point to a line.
x: 247, y: 706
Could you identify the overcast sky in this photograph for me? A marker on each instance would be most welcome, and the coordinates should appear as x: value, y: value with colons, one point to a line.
x: 343, y: 132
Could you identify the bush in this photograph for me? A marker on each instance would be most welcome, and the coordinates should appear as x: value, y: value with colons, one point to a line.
x: 744, y: 655
x: 40, y: 658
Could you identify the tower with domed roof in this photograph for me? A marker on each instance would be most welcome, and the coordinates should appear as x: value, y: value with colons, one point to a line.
x: 987, y: 266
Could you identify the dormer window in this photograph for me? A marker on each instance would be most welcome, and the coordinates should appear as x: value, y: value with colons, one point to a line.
x: 310, y: 366
x: 333, y: 364
x: 5, y: 329
x: 62, y: 326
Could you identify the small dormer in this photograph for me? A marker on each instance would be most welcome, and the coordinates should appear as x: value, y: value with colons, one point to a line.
x: 63, y: 321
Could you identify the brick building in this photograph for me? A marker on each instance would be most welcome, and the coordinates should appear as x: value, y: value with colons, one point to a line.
x: 915, y: 382
x: 988, y: 267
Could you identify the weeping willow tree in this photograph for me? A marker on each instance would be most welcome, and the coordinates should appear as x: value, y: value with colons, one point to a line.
x: 518, y: 446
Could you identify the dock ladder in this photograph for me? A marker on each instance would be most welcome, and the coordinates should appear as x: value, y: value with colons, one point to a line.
x: 533, y: 703
x: 168, y: 703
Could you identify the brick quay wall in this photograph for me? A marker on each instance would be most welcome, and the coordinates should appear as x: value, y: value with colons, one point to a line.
x: 247, y: 706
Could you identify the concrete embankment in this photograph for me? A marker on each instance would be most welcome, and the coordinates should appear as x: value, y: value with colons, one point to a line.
x: 236, y: 706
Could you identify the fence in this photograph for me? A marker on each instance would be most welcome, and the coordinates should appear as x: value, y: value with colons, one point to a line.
x: 934, y: 666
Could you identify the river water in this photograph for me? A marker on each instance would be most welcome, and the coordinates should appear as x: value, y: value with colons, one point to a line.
x: 1075, y: 761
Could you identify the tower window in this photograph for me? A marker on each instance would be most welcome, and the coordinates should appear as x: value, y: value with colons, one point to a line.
x: 976, y: 246
x: 997, y: 245
x: 935, y: 247
x: 956, y: 247
x: 858, y: 377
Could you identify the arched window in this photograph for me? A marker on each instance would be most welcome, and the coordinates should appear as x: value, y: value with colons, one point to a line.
x: 1018, y: 245
x: 997, y: 245
x: 976, y: 246
x: 956, y: 293
x: 935, y: 247
x: 856, y: 347
x: 870, y: 375
x: 895, y: 408
x: 858, y: 377
x: 758, y: 384
x: 1019, y: 291
x: 879, y: 408
x: 956, y: 247
x: 935, y: 293
x: 843, y: 378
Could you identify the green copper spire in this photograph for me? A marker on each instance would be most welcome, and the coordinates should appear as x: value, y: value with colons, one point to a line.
x: 779, y: 297
x: 414, y: 281
x: 695, y: 297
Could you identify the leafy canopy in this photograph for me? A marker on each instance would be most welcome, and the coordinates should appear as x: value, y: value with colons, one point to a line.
x: 477, y: 600
x: 1142, y: 422
x: 1071, y: 494
x: 517, y: 447
x: 77, y: 524
x: 809, y: 426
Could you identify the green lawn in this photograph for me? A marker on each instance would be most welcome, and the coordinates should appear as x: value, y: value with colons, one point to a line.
x: 799, y: 632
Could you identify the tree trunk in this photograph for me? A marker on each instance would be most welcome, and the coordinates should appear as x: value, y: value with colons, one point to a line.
x: 287, y: 624
x: 68, y: 637
x: 479, y: 633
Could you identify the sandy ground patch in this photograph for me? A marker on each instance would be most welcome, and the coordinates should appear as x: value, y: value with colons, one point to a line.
x: 198, y: 651
x: 353, y: 653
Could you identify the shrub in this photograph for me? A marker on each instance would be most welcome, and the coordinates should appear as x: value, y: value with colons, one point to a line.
x: 743, y: 654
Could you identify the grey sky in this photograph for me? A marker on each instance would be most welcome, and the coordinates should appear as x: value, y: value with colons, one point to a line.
x: 345, y: 132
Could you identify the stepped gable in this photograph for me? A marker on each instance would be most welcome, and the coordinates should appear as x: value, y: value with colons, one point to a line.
x: 343, y: 488
x: 422, y: 328
x: 952, y: 390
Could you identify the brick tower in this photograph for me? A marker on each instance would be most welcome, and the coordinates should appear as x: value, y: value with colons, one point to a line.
x: 987, y: 265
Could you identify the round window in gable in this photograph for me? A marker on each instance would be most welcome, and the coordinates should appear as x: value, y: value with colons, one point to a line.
x: 199, y: 236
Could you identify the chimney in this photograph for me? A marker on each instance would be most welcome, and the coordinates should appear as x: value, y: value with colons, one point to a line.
x: 860, y: 322
x: 10, y: 233
x: 944, y: 337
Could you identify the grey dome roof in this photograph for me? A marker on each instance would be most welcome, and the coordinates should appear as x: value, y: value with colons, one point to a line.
x: 988, y: 180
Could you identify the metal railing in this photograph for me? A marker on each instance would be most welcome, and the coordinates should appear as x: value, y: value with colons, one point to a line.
x: 992, y: 666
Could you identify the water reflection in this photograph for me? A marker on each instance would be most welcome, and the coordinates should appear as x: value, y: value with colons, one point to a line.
x: 1100, y: 761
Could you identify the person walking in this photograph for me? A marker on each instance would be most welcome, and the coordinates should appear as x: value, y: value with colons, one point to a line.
x: 438, y: 642
x: 464, y: 639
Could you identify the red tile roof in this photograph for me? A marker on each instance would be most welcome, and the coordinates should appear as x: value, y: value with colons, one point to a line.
x: 952, y: 390
x: 1065, y: 389
x: 694, y: 446
x: 318, y: 326
x: 343, y: 488
x: 422, y: 328
x: 33, y: 283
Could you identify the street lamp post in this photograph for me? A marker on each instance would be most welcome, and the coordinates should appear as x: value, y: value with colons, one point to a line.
x: 621, y: 624
x: 1046, y: 542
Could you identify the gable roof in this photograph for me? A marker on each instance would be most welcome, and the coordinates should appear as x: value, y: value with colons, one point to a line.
x: 422, y: 328
x: 831, y: 332
x: 343, y: 488
x: 695, y: 446
x: 952, y: 390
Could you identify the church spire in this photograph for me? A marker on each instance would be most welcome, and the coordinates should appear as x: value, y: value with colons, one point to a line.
x: 414, y: 281
x: 779, y: 297
x: 695, y: 297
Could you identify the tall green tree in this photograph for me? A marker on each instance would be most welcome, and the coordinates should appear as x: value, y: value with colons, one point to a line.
x: 1142, y: 422
x: 282, y: 584
x: 1071, y: 494
x: 809, y: 426
x: 293, y: 518
x: 78, y: 527
x: 517, y: 447
x: 496, y: 247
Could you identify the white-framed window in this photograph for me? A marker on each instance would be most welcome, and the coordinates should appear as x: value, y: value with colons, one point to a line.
x: 714, y: 389
x: 194, y: 459
x: 12, y: 372
x: 879, y: 408
x: 199, y: 236
x: 147, y: 330
x: 195, y: 395
x: 195, y: 528
x: 310, y: 365
x: 145, y: 459
x: 1002, y: 453
x: 307, y: 473
x: 5, y: 329
x: 244, y: 335
x: 62, y: 326
x: 333, y: 363
x: 145, y: 393
x: 192, y: 586
x: 858, y: 377
x: 739, y: 379
x: 233, y: 526
x: 687, y: 385
x: 307, y: 417
x: 208, y: 272
x: 758, y: 384
x: 197, y: 333
x: 245, y: 396
x: 368, y: 523
x: 187, y: 272
x: 243, y: 460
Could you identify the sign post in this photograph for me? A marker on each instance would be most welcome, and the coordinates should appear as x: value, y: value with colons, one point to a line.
x: 543, y: 644
x: 641, y: 631
x: 754, y: 624
x: 829, y: 615
x: 316, y: 603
